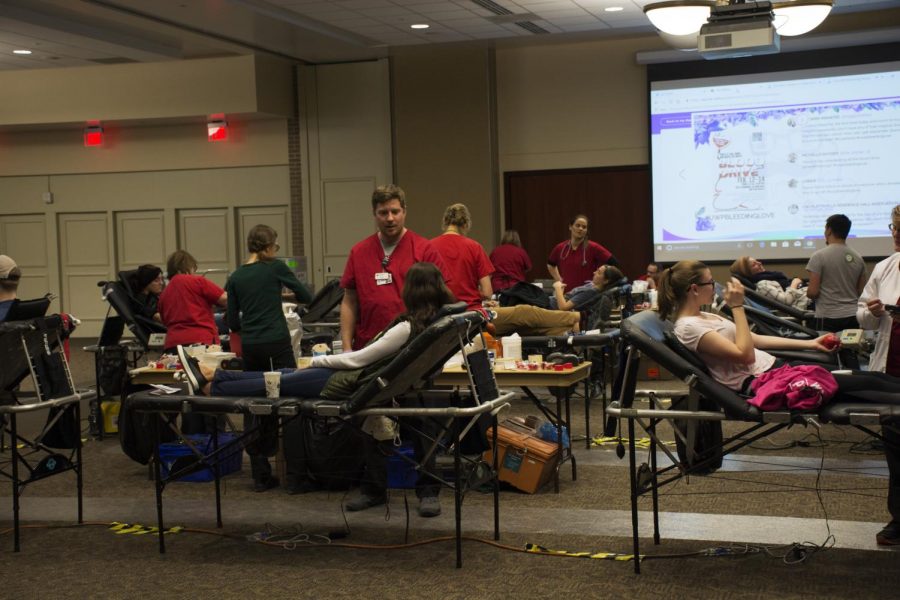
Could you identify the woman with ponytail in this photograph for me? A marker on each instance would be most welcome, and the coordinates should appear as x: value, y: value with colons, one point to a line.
x: 736, y: 356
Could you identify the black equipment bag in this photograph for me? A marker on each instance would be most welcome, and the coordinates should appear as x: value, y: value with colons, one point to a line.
x: 329, y: 451
x: 708, y: 442
x: 524, y: 293
x: 112, y: 370
x: 53, y: 382
x: 136, y: 435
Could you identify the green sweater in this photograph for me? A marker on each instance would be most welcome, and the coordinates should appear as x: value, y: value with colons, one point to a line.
x: 254, y: 301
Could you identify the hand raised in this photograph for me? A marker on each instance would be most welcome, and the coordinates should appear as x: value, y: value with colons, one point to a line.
x: 734, y: 293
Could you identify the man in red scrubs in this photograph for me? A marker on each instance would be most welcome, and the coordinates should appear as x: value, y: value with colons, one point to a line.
x: 373, y: 282
x: 376, y: 268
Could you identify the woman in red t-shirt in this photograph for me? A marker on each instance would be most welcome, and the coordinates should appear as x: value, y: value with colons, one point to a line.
x: 510, y: 261
x: 185, y: 306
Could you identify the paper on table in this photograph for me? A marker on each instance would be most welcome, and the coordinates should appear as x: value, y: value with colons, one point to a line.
x: 159, y: 389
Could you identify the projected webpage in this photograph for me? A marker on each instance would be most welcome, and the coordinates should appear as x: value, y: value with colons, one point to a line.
x: 756, y: 167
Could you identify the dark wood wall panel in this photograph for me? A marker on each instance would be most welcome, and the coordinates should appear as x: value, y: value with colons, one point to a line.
x: 540, y: 204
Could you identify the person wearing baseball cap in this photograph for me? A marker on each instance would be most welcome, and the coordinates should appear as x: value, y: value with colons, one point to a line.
x: 9, y: 284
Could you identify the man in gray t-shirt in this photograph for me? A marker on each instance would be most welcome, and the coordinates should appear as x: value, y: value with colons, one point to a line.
x: 837, y: 275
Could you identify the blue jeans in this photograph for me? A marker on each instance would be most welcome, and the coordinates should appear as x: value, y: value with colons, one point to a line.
x: 305, y: 383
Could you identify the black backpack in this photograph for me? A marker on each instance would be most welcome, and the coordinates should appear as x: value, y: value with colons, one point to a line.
x: 328, y: 451
x: 707, y: 444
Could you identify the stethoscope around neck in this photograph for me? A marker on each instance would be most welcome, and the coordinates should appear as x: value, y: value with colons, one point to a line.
x: 584, y: 245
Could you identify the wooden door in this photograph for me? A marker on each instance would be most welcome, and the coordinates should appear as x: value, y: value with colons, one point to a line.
x: 616, y: 200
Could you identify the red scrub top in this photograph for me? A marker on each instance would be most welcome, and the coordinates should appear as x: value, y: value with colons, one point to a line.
x: 578, y: 265
x: 467, y: 262
x: 185, y: 307
x: 380, y: 304
x: 510, y: 265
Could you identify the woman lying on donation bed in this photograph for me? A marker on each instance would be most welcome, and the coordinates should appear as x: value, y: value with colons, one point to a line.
x: 424, y: 293
x: 338, y: 376
x: 605, y: 278
x: 772, y: 284
x: 735, y: 356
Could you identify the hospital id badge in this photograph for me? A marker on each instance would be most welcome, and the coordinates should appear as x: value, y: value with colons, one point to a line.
x: 383, y: 279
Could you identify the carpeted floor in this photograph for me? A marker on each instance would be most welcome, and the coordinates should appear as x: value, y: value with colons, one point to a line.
x: 769, y: 480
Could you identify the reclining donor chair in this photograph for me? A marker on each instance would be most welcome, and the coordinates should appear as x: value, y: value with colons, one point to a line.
x: 708, y: 403
x: 803, y: 317
x: 121, y: 299
x: 33, y: 348
x: 315, y: 329
x: 402, y: 382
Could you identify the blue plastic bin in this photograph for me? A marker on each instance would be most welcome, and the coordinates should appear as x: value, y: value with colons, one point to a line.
x: 229, y: 463
x: 402, y: 474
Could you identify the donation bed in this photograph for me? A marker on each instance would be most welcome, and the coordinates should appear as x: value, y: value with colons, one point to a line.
x: 402, y: 382
x: 708, y: 401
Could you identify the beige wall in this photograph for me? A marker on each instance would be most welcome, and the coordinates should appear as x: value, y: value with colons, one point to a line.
x: 128, y: 203
x: 144, y: 147
x: 443, y: 129
x: 346, y: 151
x: 158, y: 90
x: 579, y: 104
x: 155, y: 185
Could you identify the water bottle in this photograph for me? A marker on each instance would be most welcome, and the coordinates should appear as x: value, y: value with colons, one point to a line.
x: 337, y: 347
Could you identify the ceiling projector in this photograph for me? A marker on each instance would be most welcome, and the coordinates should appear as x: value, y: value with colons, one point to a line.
x: 736, y: 30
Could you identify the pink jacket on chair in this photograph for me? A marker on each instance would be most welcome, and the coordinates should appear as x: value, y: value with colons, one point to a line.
x: 804, y: 387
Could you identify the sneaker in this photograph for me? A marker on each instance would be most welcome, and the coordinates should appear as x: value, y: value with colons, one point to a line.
x: 890, y: 535
x: 364, y: 501
x: 429, y: 506
x: 264, y: 485
x: 192, y: 373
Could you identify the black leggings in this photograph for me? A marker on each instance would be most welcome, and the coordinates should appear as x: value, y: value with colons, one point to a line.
x: 869, y: 386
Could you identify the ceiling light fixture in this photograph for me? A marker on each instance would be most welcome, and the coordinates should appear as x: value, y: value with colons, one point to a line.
x: 613, y: 9
x: 679, y: 17
x: 800, y: 16
x: 419, y: 26
x: 22, y: 52
x: 684, y: 17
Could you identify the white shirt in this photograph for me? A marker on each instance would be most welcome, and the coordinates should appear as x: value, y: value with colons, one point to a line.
x: 690, y: 330
x: 389, y: 343
x: 884, y: 284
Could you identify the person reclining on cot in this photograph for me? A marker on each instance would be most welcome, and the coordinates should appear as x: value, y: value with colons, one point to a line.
x: 340, y: 375
x: 605, y: 278
x: 772, y: 284
x: 736, y: 356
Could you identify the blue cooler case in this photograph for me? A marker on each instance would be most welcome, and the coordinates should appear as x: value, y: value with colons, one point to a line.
x: 177, y: 455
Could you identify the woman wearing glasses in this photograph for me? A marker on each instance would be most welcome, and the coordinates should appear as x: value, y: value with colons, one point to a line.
x: 255, y: 311
x: 735, y: 356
